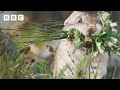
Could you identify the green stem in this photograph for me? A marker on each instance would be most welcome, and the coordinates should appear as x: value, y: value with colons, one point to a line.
x: 114, y: 72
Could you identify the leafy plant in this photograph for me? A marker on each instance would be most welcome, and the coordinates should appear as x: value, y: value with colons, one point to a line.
x: 14, y: 67
x: 42, y: 68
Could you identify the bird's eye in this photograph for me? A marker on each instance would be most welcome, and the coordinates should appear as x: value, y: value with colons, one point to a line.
x: 80, y: 20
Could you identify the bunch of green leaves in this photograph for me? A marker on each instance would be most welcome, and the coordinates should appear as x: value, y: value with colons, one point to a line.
x: 108, y: 39
x: 79, y: 38
x: 103, y: 40
x: 33, y: 33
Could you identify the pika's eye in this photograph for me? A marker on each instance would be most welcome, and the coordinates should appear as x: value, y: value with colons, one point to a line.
x: 80, y: 20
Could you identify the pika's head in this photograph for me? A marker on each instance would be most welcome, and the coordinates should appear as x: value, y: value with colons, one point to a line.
x: 87, y: 22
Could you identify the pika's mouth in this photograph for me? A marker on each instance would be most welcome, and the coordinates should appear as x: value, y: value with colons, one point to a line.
x: 89, y: 43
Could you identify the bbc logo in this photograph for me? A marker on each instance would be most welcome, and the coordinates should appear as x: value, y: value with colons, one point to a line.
x: 13, y: 17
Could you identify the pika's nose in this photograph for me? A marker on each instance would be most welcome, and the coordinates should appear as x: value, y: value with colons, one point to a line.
x: 91, y: 30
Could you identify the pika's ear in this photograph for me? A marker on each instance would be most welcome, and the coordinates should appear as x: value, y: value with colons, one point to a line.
x: 73, y: 18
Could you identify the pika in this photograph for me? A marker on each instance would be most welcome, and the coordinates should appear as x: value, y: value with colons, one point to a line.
x: 75, y: 66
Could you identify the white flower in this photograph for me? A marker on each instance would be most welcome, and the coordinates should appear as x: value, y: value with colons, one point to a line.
x: 114, y: 40
x: 110, y: 44
x: 114, y: 30
x: 98, y: 44
x: 113, y: 24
